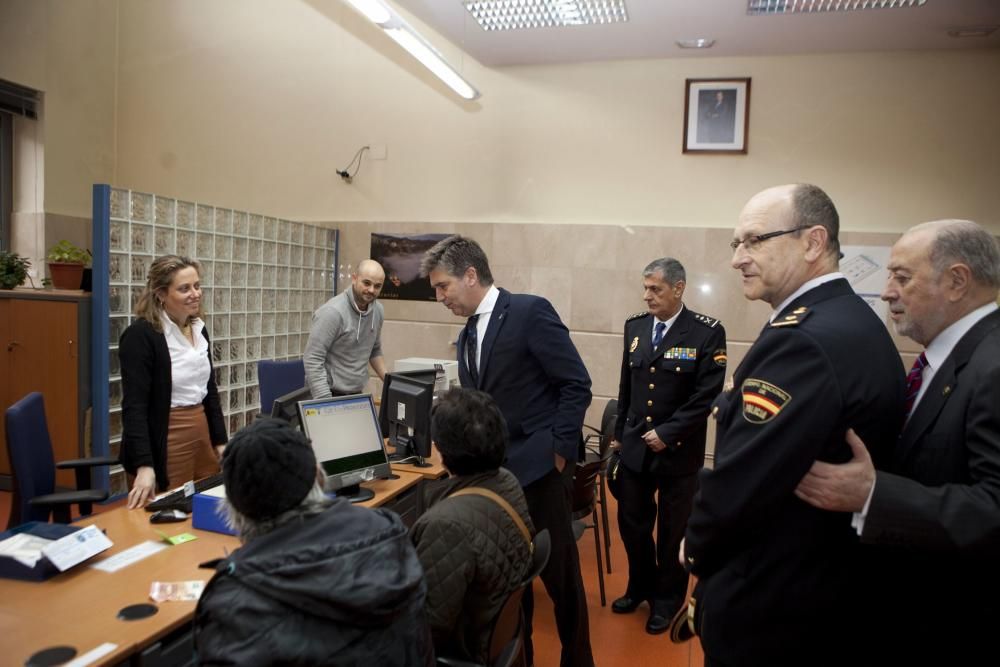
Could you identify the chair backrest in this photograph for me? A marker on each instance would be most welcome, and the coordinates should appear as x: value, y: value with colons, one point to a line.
x: 278, y: 378
x: 585, y: 487
x: 608, y: 421
x: 507, y: 625
x: 31, y: 461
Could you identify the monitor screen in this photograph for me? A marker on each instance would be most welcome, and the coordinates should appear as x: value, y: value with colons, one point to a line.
x: 406, y: 410
x: 287, y: 407
x: 348, y: 443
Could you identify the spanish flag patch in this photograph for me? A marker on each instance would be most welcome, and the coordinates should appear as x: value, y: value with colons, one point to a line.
x: 762, y: 401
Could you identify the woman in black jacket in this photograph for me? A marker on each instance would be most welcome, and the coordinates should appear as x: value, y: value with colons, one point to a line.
x: 173, y: 428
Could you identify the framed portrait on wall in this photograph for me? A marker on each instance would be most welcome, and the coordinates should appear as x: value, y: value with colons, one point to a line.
x: 716, y: 115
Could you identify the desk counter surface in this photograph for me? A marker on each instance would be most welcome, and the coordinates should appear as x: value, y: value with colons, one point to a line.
x: 79, y: 608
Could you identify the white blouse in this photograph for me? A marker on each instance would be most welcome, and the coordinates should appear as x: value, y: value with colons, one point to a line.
x: 190, y: 367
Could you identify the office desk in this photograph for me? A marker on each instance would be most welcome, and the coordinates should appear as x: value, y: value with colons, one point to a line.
x: 79, y: 608
x: 436, y: 470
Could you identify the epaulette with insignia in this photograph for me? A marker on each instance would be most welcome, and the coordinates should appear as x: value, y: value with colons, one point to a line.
x: 792, y: 319
x: 635, y: 316
x: 705, y: 319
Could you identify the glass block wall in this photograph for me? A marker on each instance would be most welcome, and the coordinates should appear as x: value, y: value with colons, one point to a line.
x: 262, y: 279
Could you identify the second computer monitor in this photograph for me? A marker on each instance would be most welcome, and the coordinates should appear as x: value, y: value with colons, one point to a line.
x: 405, y: 414
x: 287, y: 406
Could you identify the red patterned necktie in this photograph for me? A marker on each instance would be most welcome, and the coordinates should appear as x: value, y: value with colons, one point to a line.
x: 913, y: 381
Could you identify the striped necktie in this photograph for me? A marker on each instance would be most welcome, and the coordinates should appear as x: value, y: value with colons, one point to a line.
x: 471, y: 347
x: 914, y: 379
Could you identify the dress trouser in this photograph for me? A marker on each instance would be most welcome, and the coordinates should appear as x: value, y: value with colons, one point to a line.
x: 645, y: 500
x: 549, y: 503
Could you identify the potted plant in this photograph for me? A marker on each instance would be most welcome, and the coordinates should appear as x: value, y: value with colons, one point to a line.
x: 13, y: 269
x: 66, y: 262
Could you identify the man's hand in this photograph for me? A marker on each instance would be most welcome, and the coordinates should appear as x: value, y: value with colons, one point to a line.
x: 143, y: 489
x: 653, y: 441
x: 680, y: 554
x: 615, y: 444
x: 840, y: 487
x: 560, y: 463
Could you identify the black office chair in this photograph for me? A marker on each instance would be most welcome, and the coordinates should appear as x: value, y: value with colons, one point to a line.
x: 507, y: 631
x: 278, y: 378
x: 596, y: 446
x: 29, y: 449
x: 585, y: 496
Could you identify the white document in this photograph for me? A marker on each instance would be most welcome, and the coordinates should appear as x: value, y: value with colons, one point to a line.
x: 129, y: 556
x: 92, y: 656
x: 76, y: 547
x: 24, y: 548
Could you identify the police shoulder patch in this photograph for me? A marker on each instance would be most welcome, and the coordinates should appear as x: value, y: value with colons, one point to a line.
x: 762, y: 401
x: 635, y: 316
x: 705, y: 319
x: 719, y: 357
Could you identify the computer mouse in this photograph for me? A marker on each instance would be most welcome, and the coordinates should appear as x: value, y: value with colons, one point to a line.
x: 168, y: 516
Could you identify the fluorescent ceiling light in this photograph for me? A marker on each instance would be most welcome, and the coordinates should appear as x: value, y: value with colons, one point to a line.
x: 373, y: 10
x: 403, y: 34
x: 524, y: 14
x: 756, y: 7
x: 700, y: 43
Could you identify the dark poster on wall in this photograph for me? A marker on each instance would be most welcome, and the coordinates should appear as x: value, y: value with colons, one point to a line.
x: 400, y: 256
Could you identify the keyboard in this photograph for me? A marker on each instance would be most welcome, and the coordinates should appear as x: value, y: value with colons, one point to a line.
x: 176, y: 500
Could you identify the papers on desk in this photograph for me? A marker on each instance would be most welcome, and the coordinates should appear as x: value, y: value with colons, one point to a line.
x: 129, y: 556
x: 176, y: 591
x: 64, y: 553
x: 24, y: 548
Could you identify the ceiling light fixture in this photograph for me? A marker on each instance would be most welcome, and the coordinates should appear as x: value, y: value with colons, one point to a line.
x: 403, y: 34
x: 524, y: 14
x: 699, y: 43
x: 973, y: 31
x: 757, y: 7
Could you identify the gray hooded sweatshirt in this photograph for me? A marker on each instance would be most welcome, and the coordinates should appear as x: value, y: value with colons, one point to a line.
x: 341, y: 342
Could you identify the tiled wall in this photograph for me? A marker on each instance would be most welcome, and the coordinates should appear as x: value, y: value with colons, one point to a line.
x: 262, y: 278
x: 592, y: 275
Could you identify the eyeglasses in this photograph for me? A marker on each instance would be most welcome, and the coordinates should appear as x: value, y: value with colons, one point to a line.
x: 751, y: 242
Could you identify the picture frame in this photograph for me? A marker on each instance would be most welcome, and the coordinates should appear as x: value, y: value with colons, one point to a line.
x: 716, y: 115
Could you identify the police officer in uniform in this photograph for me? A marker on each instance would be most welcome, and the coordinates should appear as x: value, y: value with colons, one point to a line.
x: 673, y: 367
x: 781, y: 582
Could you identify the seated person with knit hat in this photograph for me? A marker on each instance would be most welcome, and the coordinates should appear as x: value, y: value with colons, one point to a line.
x: 316, y: 581
x: 473, y: 551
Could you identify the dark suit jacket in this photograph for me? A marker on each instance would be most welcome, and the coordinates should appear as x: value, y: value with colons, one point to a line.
x: 779, y: 579
x: 939, y: 497
x: 669, y: 389
x: 531, y: 368
x: 146, y: 387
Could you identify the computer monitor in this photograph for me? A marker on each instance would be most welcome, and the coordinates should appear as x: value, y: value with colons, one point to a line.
x: 405, y: 416
x: 347, y: 441
x: 287, y: 406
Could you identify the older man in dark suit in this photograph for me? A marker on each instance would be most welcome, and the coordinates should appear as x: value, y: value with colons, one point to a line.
x: 515, y: 348
x: 778, y: 579
x: 936, y: 502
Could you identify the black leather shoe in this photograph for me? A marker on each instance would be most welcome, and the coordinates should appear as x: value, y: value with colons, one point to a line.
x: 625, y: 605
x: 657, y: 625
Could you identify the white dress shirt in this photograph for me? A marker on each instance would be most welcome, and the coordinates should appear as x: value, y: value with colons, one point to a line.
x: 189, y: 365
x: 669, y: 323
x: 484, y: 310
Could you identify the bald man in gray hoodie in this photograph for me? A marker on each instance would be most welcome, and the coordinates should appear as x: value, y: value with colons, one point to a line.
x: 346, y: 336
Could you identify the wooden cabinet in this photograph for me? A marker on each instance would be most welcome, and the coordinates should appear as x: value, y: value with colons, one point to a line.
x: 45, y: 346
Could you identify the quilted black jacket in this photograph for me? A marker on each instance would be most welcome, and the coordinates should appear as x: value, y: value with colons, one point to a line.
x: 341, y: 588
x: 473, y: 555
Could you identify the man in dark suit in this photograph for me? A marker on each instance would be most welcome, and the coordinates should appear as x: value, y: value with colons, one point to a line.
x: 936, y: 502
x: 673, y: 366
x: 515, y: 348
x: 777, y: 577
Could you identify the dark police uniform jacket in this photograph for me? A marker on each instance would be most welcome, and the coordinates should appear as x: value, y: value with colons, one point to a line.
x: 669, y: 389
x: 781, y: 582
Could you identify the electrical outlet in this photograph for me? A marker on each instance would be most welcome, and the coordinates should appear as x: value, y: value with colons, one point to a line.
x: 377, y: 151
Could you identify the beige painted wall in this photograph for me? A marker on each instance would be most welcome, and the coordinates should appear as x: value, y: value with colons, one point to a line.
x: 254, y: 104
